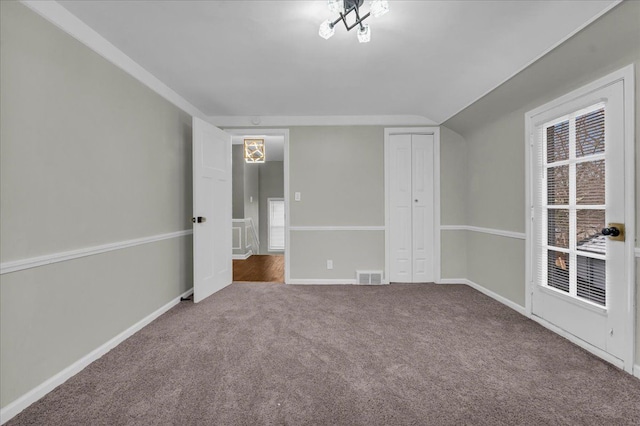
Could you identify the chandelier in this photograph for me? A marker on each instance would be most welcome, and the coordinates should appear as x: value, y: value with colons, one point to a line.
x: 254, y: 150
x: 347, y: 7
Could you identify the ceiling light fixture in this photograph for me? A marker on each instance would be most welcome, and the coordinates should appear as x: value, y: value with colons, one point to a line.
x: 254, y: 150
x: 345, y: 8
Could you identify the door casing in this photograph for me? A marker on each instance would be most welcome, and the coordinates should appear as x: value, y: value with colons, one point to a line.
x: 284, y: 133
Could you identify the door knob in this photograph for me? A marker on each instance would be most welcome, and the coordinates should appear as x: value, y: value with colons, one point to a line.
x: 198, y: 219
x: 615, y: 231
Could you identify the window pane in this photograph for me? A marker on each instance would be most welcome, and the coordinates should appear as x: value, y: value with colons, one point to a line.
x: 589, y: 231
x: 558, y: 142
x: 558, y: 270
x: 592, y: 279
x: 276, y: 225
x: 590, y: 183
x: 590, y: 133
x: 558, y: 228
x: 558, y: 185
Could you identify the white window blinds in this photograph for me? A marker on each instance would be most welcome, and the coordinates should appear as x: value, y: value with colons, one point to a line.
x: 571, y: 204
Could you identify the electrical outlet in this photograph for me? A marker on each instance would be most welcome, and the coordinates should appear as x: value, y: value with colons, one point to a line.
x: 329, y: 264
x: 296, y: 196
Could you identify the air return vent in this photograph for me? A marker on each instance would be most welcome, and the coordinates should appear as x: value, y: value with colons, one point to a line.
x: 369, y: 277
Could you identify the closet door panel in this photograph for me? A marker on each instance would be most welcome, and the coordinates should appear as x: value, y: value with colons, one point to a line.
x: 422, y: 198
x: 400, y: 186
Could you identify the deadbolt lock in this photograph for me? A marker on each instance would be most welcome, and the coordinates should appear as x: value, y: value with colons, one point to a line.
x: 615, y: 231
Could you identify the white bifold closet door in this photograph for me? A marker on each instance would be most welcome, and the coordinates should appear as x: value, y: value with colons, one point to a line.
x: 411, y: 210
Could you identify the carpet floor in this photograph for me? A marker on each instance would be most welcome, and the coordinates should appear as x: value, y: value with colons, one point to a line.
x: 343, y: 355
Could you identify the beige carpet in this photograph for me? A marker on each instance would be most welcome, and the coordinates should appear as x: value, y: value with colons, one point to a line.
x: 348, y: 355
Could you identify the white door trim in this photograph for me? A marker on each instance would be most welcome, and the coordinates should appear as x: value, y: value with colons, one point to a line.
x: 285, y: 133
x: 626, y: 75
x: 435, y: 131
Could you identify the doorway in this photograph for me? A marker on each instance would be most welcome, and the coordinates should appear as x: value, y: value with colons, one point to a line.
x: 259, y: 205
x: 581, y: 198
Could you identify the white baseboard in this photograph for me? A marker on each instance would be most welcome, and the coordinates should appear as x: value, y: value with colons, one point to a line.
x: 15, y: 407
x: 519, y: 309
x: 452, y: 281
x: 321, y: 281
x: 242, y: 256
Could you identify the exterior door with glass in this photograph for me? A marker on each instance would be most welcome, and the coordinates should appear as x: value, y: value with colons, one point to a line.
x: 578, y: 178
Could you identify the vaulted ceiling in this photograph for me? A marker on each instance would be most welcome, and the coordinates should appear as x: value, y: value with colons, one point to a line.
x: 264, y: 58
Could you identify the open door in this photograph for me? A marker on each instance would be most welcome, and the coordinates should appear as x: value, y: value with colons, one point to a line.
x: 212, y: 264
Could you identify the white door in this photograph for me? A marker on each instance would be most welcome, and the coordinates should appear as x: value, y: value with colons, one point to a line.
x: 212, y: 262
x: 579, y: 274
x: 410, y: 177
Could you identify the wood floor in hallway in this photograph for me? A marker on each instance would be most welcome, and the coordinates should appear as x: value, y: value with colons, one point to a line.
x: 261, y: 268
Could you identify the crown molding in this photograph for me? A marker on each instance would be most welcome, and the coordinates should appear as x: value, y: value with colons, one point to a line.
x: 319, y: 120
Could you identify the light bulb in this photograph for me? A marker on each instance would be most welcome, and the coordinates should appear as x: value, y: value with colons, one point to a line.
x: 379, y: 7
x: 336, y: 6
x: 326, y: 30
x: 364, y: 34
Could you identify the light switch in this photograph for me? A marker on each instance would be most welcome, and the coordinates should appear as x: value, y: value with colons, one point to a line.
x: 296, y: 196
x: 251, y: 198
x: 329, y: 264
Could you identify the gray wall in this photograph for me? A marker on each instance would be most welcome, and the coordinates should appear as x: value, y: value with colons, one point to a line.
x: 453, y: 208
x: 237, y: 181
x: 252, y: 194
x: 339, y: 172
x: 271, y: 186
x: 245, y: 187
x: 88, y: 156
x: 493, y: 128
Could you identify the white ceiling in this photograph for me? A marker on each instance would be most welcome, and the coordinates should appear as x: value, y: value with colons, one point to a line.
x: 265, y: 58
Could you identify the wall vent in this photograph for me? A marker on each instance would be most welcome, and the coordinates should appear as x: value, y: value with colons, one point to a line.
x: 369, y: 277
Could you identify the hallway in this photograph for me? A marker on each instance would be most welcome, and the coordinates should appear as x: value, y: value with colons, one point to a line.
x: 259, y: 268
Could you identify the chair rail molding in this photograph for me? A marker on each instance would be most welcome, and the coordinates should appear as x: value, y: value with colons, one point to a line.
x: 337, y: 228
x: 499, y: 232
x: 47, y: 259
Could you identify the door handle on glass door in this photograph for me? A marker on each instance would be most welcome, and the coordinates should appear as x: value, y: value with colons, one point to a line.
x: 615, y: 231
